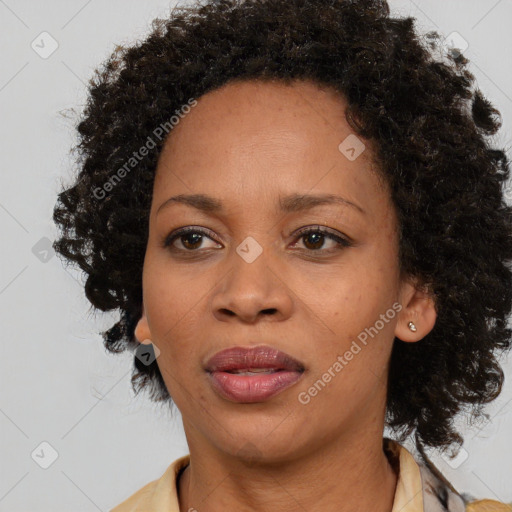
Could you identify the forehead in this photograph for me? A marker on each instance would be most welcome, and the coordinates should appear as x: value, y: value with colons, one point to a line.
x: 255, y: 138
x: 271, y: 115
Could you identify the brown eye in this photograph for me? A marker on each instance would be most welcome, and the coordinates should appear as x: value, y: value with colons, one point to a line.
x: 191, y: 239
x: 314, y: 239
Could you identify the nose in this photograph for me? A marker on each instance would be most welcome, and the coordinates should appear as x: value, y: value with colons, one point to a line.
x: 252, y: 292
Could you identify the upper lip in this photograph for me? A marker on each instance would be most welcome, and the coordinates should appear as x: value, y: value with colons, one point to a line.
x: 244, y: 358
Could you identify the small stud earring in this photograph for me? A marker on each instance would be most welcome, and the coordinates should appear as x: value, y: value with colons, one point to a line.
x: 412, y: 326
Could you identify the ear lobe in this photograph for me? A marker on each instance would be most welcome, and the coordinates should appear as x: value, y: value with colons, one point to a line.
x: 418, y: 307
x: 142, y: 332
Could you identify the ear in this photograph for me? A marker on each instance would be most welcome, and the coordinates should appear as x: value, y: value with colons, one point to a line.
x: 142, y: 332
x: 418, y: 306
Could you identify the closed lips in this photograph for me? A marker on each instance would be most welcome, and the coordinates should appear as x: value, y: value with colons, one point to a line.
x: 249, y: 371
x: 258, y: 359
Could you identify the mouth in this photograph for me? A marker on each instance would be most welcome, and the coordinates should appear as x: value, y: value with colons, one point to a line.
x: 254, y: 371
x: 260, y: 359
x: 249, y: 375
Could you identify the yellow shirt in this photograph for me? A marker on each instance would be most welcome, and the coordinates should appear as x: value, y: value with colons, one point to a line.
x: 419, y: 489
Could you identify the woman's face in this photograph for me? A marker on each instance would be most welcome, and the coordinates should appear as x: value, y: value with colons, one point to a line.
x: 260, y: 152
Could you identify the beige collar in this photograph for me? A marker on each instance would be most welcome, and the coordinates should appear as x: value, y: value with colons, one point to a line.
x: 417, y: 490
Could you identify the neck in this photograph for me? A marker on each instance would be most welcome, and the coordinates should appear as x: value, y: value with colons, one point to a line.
x: 342, y: 477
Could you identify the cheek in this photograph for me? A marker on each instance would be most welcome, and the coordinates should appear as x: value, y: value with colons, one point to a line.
x: 173, y: 304
x: 352, y: 359
x: 173, y: 301
x: 351, y: 300
x: 361, y: 288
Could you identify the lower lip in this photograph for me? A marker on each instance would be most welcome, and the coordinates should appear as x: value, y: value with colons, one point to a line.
x: 252, y: 388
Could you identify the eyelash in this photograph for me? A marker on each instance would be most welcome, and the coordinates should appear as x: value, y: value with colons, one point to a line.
x: 341, y: 241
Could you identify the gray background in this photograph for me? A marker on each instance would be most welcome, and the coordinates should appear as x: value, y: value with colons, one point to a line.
x: 58, y: 384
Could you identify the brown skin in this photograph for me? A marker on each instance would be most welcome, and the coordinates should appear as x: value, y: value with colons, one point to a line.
x: 247, y: 144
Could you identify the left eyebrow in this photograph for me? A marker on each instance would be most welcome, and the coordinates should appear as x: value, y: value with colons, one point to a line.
x: 299, y: 202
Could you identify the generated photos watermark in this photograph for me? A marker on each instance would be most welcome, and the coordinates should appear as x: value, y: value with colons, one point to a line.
x: 304, y: 397
x: 159, y: 133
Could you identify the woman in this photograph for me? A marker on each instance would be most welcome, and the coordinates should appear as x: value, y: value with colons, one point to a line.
x: 299, y: 215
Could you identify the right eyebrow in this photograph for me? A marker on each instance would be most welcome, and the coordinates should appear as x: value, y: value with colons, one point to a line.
x: 200, y: 201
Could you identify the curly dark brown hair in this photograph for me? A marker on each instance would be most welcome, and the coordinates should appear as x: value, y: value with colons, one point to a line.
x: 407, y: 93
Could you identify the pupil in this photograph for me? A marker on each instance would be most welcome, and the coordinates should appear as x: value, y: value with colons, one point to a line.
x: 317, y: 239
x: 187, y: 238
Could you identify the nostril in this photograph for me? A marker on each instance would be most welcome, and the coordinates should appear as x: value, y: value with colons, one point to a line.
x: 269, y: 311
